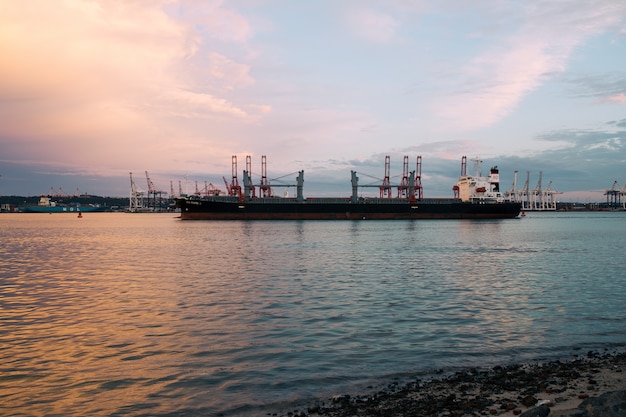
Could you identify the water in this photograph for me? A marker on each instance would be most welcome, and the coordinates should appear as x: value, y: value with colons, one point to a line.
x: 144, y: 314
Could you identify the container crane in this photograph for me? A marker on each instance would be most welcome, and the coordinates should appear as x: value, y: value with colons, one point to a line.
x: 550, y: 196
x: 136, y: 197
x: 613, y: 195
x: 511, y: 194
x: 536, y: 195
x: 154, y: 195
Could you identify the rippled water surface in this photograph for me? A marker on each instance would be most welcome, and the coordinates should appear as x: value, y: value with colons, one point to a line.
x: 145, y: 314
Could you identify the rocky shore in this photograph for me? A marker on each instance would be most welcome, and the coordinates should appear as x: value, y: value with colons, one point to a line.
x: 589, y: 385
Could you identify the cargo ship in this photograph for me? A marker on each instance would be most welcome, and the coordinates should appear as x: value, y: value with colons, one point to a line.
x: 47, y: 205
x: 475, y: 197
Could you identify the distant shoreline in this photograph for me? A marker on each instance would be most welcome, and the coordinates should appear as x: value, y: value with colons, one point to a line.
x: 15, y: 203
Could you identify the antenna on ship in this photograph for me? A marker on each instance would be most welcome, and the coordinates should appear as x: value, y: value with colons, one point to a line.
x: 477, y: 163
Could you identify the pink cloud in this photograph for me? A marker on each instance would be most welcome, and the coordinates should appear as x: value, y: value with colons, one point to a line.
x: 101, y: 82
x: 372, y: 25
x: 616, y: 98
x: 492, y: 84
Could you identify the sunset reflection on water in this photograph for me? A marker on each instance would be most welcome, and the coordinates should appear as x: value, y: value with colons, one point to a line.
x: 145, y: 314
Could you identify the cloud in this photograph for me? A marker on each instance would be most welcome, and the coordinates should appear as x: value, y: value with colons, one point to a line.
x: 102, y: 83
x: 608, y: 87
x: 372, y: 25
x: 616, y: 98
x: 101, y: 87
x: 493, y: 83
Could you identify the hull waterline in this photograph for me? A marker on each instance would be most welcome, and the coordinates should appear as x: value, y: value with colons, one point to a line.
x: 213, y: 209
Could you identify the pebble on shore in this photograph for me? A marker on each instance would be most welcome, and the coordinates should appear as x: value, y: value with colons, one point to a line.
x: 586, y: 386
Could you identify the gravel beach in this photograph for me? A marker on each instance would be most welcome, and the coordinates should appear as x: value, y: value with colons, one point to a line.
x: 562, y: 388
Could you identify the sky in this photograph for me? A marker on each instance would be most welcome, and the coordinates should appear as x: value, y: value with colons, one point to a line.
x: 92, y: 90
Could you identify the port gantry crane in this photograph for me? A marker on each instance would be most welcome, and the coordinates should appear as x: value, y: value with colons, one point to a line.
x: 537, y: 199
x: 613, y: 195
x: 136, y: 197
x: 511, y: 194
x: 155, y: 196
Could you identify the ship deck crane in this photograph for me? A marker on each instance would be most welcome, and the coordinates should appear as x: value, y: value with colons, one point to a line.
x: 419, y: 190
x: 234, y: 189
x: 455, y: 188
x: 403, y: 188
x: 264, y: 187
x: 252, y: 188
x: 385, y: 188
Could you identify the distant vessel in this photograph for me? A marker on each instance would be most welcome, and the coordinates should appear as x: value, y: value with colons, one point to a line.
x: 47, y: 205
x: 475, y: 197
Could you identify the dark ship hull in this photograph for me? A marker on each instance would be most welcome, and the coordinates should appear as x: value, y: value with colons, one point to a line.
x: 232, y: 208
